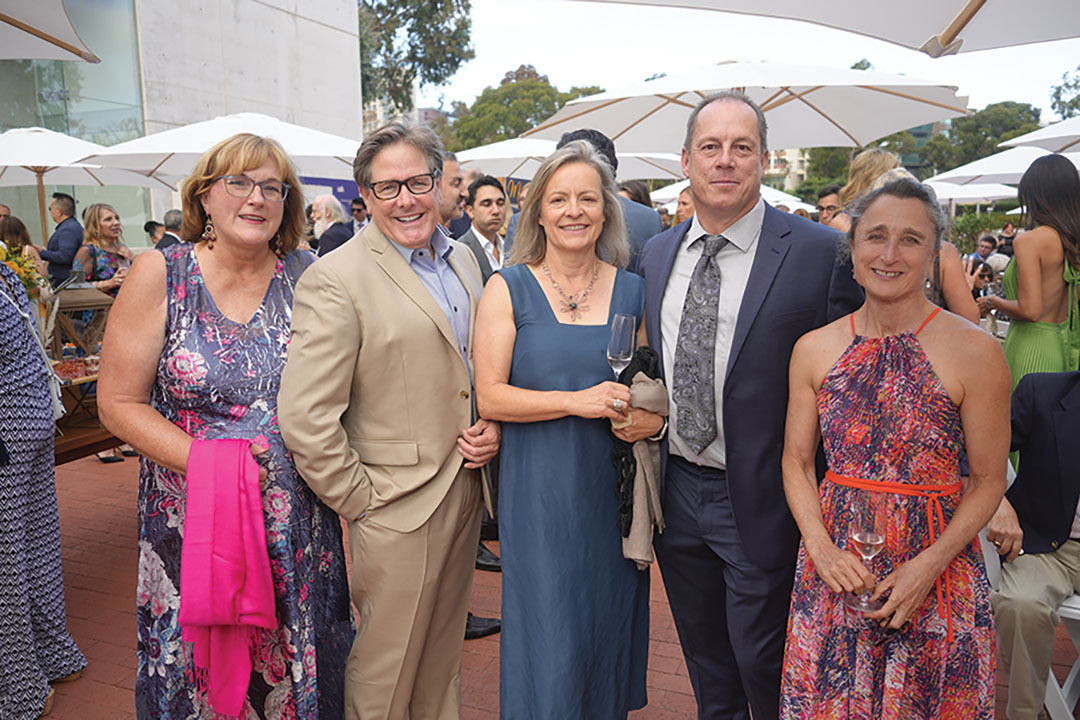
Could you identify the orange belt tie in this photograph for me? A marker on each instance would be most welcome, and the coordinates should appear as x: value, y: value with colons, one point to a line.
x: 933, y: 511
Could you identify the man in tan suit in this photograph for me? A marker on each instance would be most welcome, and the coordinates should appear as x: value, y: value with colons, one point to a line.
x: 376, y: 406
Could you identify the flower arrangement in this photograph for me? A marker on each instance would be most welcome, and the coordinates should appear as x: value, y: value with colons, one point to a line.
x: 25, y: 268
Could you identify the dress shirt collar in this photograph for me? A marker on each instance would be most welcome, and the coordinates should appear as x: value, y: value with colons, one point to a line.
x: 489, y: 249
x: 440, y: 245
x: 741, y: 234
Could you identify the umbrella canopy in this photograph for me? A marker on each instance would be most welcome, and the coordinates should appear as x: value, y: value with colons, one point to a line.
x: 39, y: 30
x: 973, y: 193
x: 1059, y: 137
x: 670, y: 193
x: 32, y: 156
x: 936, y: 27
x: 804, y: 106
x: 175, y: 152
x: 521, y: 158
x: 1003, y: 167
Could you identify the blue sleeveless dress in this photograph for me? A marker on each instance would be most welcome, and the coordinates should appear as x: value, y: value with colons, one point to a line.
x: 219, y: 379
x: 575, y: 633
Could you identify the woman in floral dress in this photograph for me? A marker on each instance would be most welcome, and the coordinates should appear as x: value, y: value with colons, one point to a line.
x: 194, y: 349
x: 104, y: 255
x: 895, y: 392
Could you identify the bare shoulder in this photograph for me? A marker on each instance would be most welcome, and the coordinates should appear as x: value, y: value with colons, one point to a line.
x: 817, y: 351
x: 963, y: 355
x: 948, y: 251
x: 147, y: 278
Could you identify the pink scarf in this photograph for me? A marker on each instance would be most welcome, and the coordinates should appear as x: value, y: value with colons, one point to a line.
x: 226, y: 590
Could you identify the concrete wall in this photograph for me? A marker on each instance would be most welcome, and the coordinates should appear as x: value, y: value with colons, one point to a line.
x: 296, y: 60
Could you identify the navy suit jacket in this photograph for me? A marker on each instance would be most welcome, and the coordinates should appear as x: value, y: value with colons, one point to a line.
x: 63, y: 244
x: 642, y: 224
x: 796, y: 285
x: 1045, y: 429
x: 335, y: 236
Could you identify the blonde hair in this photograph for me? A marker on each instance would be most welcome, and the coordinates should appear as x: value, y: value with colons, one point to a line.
x: 865, y: 168
x: 235, y: 155
x: 92, y: 225
x: 530, y: 242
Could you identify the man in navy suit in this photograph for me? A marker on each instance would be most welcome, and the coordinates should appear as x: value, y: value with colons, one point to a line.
x: 65, y: 242
x: 1039, y: 517
x: 728, y: 292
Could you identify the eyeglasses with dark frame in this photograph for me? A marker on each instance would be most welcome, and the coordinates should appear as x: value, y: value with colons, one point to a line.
x: 241, y: 186
x: 417, y: 184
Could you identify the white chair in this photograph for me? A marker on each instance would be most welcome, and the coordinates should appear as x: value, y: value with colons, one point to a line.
x: 1061, y: 699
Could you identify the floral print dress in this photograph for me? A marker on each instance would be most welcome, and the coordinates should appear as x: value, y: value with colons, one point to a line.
x: 219, y: 379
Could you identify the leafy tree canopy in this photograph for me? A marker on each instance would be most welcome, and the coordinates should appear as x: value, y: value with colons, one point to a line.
x: 404, y: 41
x: 523, y: 99
x: 977, y: 136
x: 1065, y: 98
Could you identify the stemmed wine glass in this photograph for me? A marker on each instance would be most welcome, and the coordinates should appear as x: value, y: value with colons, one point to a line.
x: 868, y: 538
x: 621, y: 345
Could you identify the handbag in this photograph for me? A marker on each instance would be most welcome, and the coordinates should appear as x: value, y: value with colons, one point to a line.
x: 55, y: 393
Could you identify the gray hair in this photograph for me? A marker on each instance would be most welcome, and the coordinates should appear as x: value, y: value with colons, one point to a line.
x: 905, y: 189
x: 173, y: 219
x: 727, y: 96
x: 332, y: 207
x: 448, y: 156
x: 420, y: 137
x: 530, y: 242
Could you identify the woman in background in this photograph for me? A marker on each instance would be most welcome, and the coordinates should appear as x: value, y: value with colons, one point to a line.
x: 104, y: 255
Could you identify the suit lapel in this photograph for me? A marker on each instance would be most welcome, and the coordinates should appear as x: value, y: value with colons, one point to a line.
x: 466, y: 272
x: 1066, y: 430
x: 656, y: 283
x: 395, y: 266
x: 477, y: 249
x: 771, y: 249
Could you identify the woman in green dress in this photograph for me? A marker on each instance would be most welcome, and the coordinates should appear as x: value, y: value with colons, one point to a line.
x: 1041, y: 281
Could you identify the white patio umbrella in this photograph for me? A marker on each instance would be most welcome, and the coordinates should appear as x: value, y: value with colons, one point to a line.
x: 34, y: 156
x: 670, y: 193
x: 805, y: 106
x: 521, y: 158
x: 175, y: 152
x: 1003, y: 167
x: 936, y: 27
x: 973, y: 193
x: 39, y: 30
x: 1059, y: 137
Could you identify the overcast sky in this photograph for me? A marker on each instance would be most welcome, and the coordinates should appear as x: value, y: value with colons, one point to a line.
x: 586, y: 43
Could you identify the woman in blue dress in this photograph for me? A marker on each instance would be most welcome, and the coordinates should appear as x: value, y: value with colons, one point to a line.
x: 575, y: 612
x: 195, y: 346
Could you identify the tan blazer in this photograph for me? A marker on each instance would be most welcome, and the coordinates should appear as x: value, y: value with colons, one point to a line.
x: 375, y: 391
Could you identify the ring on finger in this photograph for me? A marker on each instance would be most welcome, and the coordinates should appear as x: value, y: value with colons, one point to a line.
x: 618, y: 405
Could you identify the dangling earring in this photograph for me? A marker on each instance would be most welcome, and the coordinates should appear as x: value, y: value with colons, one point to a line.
x: 275, y: 246
x: 208, y: 233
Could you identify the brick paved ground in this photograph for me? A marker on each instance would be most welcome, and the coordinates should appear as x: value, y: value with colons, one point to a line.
x: 98, y: 524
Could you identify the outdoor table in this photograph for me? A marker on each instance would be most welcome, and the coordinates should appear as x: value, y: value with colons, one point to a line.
x: 75, y: 301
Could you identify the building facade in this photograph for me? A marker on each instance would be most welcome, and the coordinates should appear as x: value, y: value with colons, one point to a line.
x: 165, y: 64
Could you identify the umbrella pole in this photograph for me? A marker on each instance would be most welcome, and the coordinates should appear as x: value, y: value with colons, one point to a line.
x: 41, y: 206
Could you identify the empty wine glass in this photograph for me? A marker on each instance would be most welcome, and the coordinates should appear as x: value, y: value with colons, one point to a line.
x: 867, y: 538
x: 621, y: 345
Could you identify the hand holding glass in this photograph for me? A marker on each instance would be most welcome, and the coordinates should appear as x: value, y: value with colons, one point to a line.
x: 867, y: 538
x: 621, y: 345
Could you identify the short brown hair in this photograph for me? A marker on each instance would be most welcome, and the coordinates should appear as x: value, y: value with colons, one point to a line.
x: 238, y: 154
x: 420, y: 137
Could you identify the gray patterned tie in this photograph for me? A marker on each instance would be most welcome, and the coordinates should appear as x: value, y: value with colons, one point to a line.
x: 693, y: 379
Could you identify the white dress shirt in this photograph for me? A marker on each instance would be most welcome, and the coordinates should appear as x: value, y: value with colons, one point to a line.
x: 489, y: 250
x: 735, y: 260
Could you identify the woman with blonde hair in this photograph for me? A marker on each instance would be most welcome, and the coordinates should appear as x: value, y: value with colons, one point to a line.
x: 194, y: 350
x: 104, y: 255
x: 575, y: 611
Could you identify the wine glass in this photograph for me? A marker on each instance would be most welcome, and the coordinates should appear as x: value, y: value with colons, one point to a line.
x: 868, y: 539
x: 621, y: 345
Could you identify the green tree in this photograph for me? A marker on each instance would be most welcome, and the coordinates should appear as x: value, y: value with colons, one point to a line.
x: 1065, y: 98
x: 523, y: 99
x: 404, y: 41
x: 977, y: 136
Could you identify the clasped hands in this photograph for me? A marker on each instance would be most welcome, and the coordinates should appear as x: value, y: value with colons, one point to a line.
x: 611, y: 400
x: 479, y: 443
x: 907, y: 585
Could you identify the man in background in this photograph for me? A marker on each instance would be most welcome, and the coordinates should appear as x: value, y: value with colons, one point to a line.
x: 332, y: 228
x: 485, y: 205
x: 359, y: 214
x: 828, y: 203
x: 173, y: 219
x: 65, y: 240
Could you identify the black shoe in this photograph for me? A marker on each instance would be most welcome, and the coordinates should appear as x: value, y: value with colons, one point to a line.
x: 487, y: 560
x: 107, y: 456
x: 478, y: 627
x: 489, y: 530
